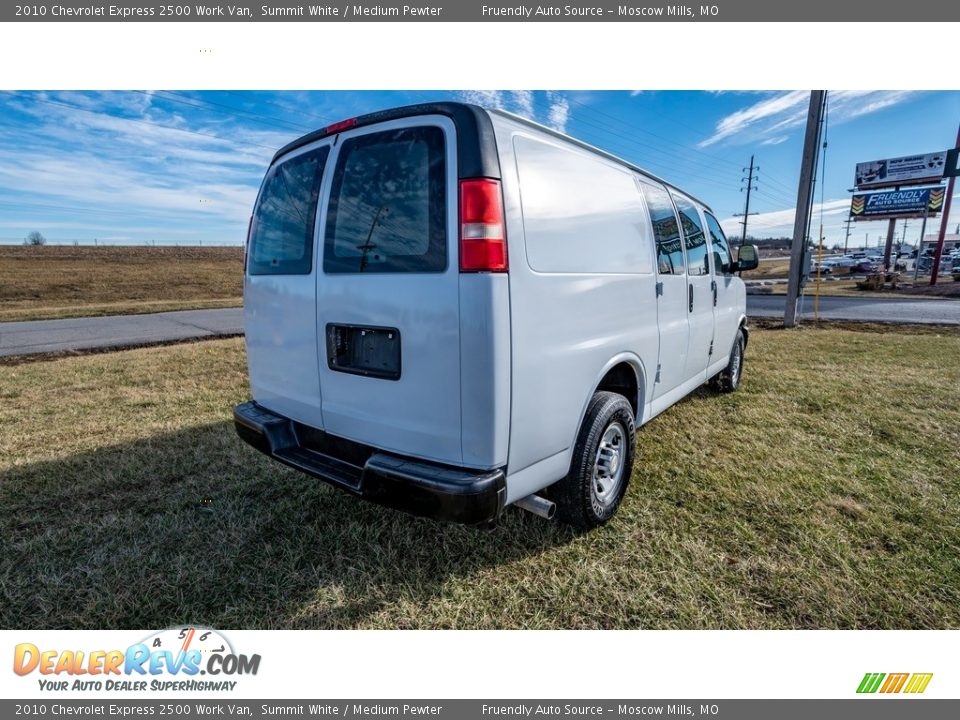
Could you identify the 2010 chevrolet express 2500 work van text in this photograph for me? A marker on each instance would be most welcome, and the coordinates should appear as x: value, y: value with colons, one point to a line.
x: 450, y: 309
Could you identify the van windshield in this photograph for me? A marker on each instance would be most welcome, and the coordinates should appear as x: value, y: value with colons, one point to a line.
x: 388, y: 210
x: 281, y: 233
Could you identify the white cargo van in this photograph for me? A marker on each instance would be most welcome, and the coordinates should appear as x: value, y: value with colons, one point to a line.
x: 450, y: 309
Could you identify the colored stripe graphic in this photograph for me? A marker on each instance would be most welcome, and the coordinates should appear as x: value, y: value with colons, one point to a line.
x: 918, y: 682
x: 870, y: 682
x: 894, y: 683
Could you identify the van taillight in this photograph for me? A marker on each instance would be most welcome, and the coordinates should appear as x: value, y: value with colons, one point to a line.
x: 483, y: 242
x: 246, y: 245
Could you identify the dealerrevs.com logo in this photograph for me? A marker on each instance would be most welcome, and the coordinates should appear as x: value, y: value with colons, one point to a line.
x: 172, y: 660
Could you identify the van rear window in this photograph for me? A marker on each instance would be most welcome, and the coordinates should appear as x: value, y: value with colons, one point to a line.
x: 388, y: 205
x: 281, y: 236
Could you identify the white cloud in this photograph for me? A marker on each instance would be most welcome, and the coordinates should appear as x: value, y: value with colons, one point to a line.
x: 748, y: 117
x: 559, y: 111
x: 121, y: 167
x: 780, y: 222
x: 776, y: 140
x: 485, y: 98
x: 523, y: 103
x: 766, y: 120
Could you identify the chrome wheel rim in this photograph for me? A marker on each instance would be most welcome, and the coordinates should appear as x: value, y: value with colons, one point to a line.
x: 608, y: 468
x: 735, y: 365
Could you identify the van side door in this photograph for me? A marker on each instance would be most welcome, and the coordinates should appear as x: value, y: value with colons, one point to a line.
x: 699, y: 289
x: 672, y: 313
x: 727, y: 311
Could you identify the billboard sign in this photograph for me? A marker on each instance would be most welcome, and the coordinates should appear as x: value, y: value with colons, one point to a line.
x: 909, y: 170
x: 952, y: 168
x: 915, y: 202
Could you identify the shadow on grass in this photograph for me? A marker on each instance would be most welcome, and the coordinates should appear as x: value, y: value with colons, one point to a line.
x: 195, y: 526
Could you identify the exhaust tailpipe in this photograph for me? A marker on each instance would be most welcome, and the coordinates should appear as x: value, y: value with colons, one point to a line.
x: 538, y: 506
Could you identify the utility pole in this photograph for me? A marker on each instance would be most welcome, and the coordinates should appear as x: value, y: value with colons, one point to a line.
x: 801, y: 223
x: 934, y: 271
x: 891, y: 229
x: 916, y: 261
x: 846, y: 240
x: 746, y: 208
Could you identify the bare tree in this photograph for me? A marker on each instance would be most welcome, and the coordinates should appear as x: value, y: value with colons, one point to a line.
x: 35, y: 238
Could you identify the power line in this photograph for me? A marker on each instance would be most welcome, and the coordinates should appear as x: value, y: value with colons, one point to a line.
x: 669, y: 156
x: 634, y: 128
x: 220, y: 107
x: 326, y: 119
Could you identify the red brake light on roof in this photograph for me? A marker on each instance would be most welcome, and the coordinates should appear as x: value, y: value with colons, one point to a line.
x: 340, y: 126
x: 483, y: 242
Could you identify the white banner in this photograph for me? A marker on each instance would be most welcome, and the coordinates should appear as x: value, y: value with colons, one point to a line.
x: 480, y: 664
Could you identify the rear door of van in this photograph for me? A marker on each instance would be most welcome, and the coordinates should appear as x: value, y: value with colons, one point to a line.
x: 280, y: 317
x: 387, y: 320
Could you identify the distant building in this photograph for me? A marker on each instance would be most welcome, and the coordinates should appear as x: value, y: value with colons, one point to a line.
x: 951, y: 241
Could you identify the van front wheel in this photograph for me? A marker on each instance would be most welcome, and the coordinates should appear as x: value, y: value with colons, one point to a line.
x: 602, y: 462
x: 728, y: 379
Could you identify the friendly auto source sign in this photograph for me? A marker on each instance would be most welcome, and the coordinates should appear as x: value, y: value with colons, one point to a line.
x: 897, y: 204
x: 910, y: 170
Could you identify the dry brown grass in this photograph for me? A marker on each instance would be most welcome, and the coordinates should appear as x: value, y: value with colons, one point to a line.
x: 768, y: 269
x: 39, y: 283
x: 822, y: 494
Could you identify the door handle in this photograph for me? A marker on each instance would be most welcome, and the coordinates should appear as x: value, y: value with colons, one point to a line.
x: 690, y: 296
x: 713, y: 287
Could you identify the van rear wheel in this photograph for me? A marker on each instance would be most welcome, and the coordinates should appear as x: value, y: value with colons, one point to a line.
x: 602, y: 462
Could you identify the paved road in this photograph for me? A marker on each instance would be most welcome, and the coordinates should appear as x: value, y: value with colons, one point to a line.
x: 44, y: 336
x: 893, y: 310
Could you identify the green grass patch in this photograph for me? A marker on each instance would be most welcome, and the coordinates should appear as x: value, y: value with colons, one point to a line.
x: 823, y: 494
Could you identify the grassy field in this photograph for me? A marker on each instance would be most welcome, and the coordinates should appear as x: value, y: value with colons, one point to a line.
x: 823, y: 494
x: 39, y: 283
x: 768, y: 269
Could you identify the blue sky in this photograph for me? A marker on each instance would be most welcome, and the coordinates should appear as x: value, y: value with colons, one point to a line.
x: 183, y: 167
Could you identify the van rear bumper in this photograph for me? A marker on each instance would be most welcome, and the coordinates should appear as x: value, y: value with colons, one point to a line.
x: 441, y: 492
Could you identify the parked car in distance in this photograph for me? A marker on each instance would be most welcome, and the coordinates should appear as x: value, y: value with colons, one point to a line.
x: 449, y: 310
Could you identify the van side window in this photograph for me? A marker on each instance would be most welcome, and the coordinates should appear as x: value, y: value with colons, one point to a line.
x: 694, y: 239
x: 722, y: 259
x: 388, y: 204
x: 666, y: 231
x: 281, y: 231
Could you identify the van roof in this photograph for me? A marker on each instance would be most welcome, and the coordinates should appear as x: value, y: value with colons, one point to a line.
x: 594, y: 149
x: 476, y: 149
x: 477, y: 152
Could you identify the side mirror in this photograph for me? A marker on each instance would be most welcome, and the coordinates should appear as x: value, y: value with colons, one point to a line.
x: 748, y: 258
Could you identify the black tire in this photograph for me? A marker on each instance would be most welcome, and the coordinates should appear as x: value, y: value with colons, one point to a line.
x: 728, y: 379
x: 579, y: 496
